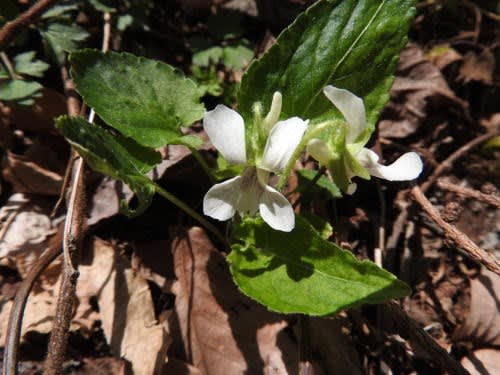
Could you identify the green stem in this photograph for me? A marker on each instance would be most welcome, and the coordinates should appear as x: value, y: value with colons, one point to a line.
x: 305, y: 187
x: 195, y: 215
x: 204, y: 165
x: 312, y: 133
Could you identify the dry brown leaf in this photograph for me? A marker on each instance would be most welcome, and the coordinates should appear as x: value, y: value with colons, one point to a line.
x: 477, y: 67
x: 106, y: 199
x: 26, y: 176
x: 483, y: 362
x: 482, y: 324
x: 25, y: 226
x: 224, y: 332
x: 418, y: 87
x: 221, y: 331
x: 126, y: 309
x: 38, y: 314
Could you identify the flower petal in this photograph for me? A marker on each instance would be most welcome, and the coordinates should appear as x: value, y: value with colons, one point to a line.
x: 351, y: 107
x: 221, y: 200
x: 274, y: 112
x: 226, y: 131
x: 276, y: 210
x: 406, y: 167
x: 284, y: 137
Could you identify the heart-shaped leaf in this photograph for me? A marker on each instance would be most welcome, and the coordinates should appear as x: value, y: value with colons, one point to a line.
x: 351, y: 44
x: 115, y: 156
x: 300, y: 272
x: 144, y: 99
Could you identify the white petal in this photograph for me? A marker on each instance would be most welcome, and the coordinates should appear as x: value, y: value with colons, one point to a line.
x: 250, y: 192
x: 226, y: 131
x: 319, y: 150
x: 407, y: 167
x: 221, y: 200
x: 351, y: 107
x: 276, y: 210
x: 283, y: 139
x: 274, y: 112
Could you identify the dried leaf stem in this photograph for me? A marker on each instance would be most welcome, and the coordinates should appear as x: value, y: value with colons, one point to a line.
x: 72, y: 243
x: 461, y: 239
x: 12, y: 28
x: 11, y: 352
x: 72, y: 239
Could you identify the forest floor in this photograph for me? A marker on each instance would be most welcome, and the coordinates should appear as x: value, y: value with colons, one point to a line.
x: 445, y: 105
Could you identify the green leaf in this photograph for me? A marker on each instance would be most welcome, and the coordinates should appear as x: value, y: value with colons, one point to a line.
x: 18, y: 89
x: 25, y: 63
x: 237, y: 57
x: 300, y: 272
x: 115, y: 156
x: 63, y: 36
x: 59, y: 10
x: 206, y: 57
x: 144, y: 99
x: 351, y: 44
x: 104, y: 5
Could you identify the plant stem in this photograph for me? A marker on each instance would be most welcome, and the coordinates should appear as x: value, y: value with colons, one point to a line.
x: 203, y: 165
x: 195, y: 215
x: 313, y: 132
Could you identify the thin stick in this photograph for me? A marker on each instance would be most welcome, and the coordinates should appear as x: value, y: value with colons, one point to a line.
x: 72, y: 243
x: 72, y: 239
x: 461, y: 239
x: 410, y: 330
x: 470, y: 193
x: 448, y: 163
x: 400, y: 221
x: 11, y: 353
x: 12, y: 28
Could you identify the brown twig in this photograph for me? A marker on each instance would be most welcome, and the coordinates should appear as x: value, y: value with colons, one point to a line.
x: 72, y: 239
x: 448, y: 163
x: 464, y: 242
x: 12, y: 28
x: 470, y: 193
x: 411, y: 331
x: 400, y: 221
x: 11, y: 352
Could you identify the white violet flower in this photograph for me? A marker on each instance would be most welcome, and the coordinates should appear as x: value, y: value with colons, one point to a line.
x: 406, y: 167
x: 250, y: 193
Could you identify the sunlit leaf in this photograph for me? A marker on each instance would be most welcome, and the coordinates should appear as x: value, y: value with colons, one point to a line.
x: 113, y: 155
x: 352, y: 44
x: 144, y: 99
x: 300, y: 272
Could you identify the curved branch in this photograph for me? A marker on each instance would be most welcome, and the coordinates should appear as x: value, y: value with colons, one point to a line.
x: 12, y: 28
x: 11, y: 353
